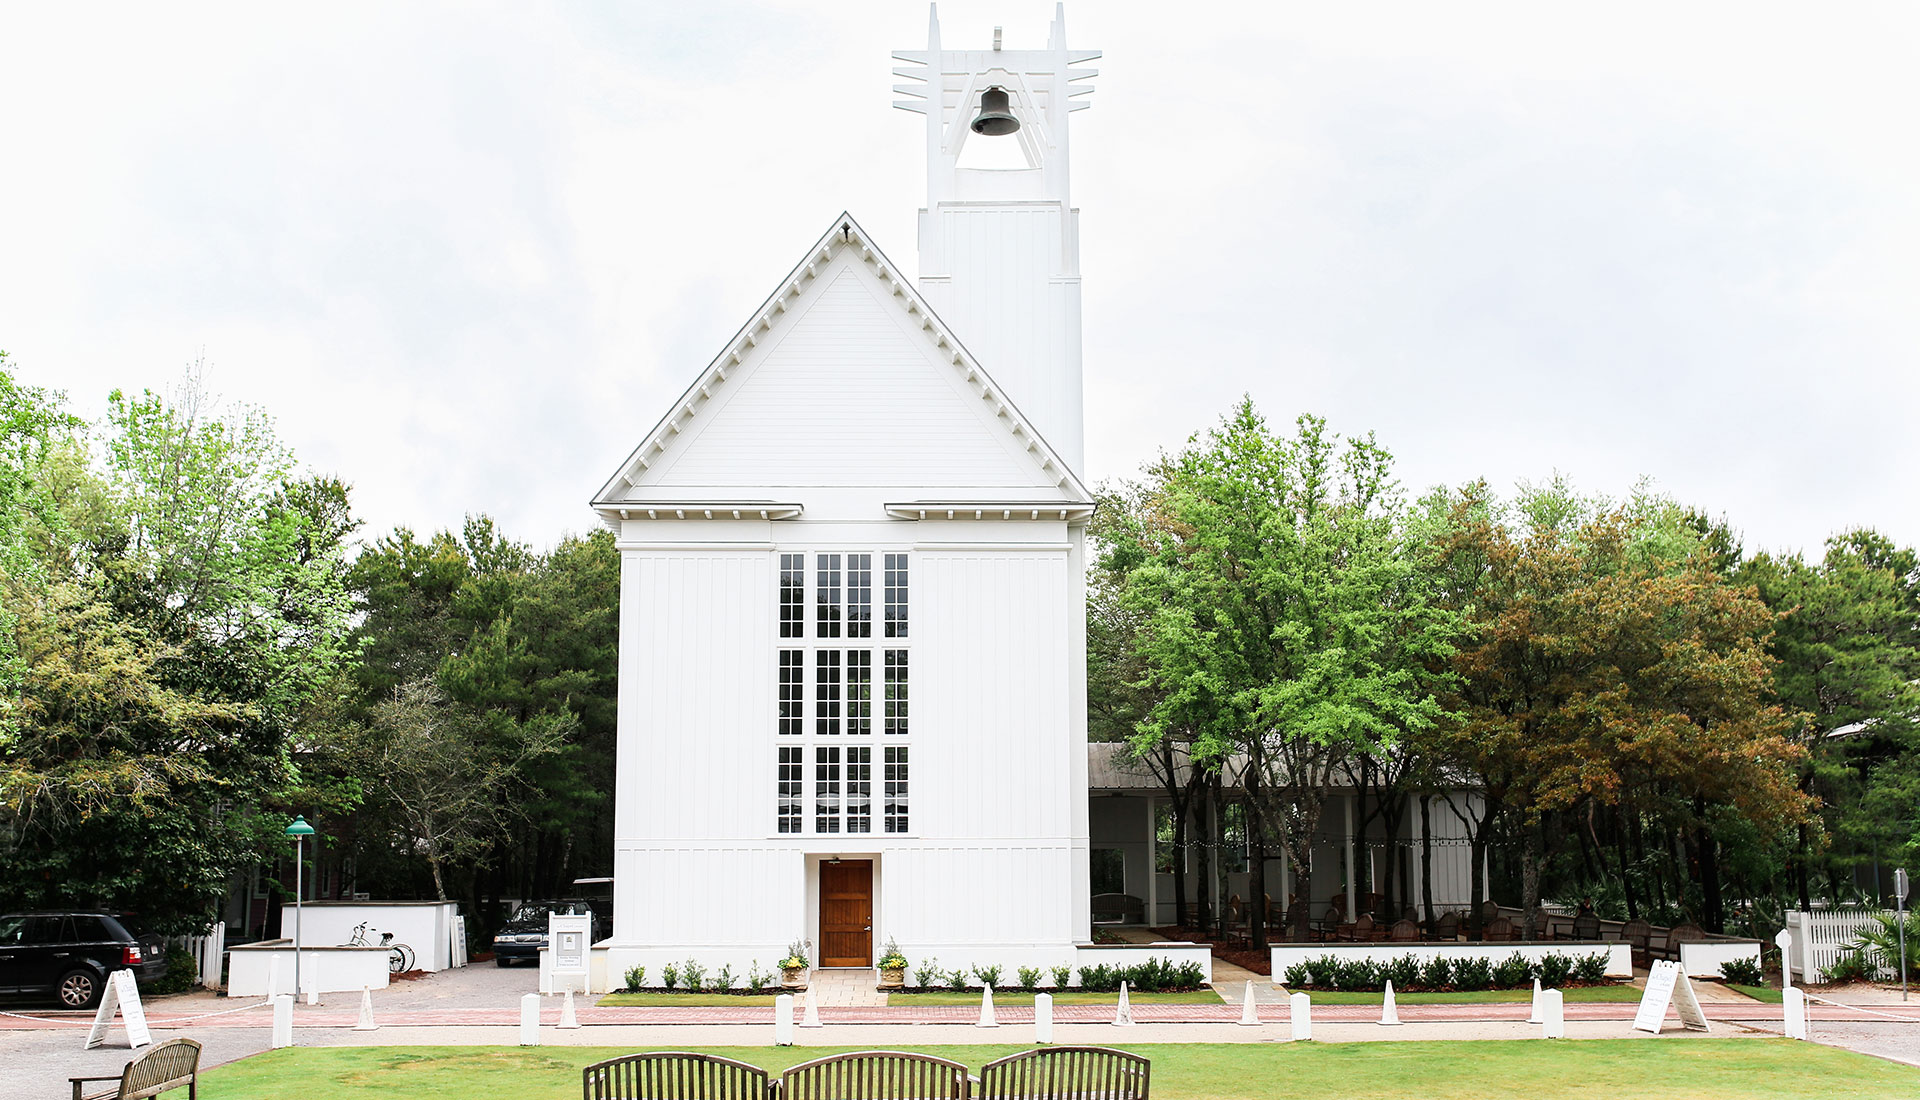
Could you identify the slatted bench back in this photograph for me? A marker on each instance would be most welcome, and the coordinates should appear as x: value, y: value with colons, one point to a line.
x: 1067, y: 1073
x: 876, y: 1075
x: 673, y: 1075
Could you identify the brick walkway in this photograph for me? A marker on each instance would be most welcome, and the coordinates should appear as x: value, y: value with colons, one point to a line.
x: 1007, y: 1013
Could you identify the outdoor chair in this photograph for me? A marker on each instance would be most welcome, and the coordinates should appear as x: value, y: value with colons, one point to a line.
x: 1238, y: 926
x: 1637, y: 934
x: 876, y: 1075
x: 1082, y: 1073
x: 1498, y: 930
x: 1447, y: 929
x: 1489, y: 910
x: 672, y: 1075
x: 168, y: 1065
x: 1586, y: 926
x: 1404, y: 931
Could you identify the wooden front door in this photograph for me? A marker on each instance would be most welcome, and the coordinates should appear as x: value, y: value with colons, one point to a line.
x: 846, y: 913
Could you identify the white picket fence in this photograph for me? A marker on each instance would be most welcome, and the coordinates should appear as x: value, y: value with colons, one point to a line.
x: 1821, y: 937
x: 208, y: 951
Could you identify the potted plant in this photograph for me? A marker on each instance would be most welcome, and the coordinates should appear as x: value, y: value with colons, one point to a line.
x: 793, y: 968
x: 893, y: 966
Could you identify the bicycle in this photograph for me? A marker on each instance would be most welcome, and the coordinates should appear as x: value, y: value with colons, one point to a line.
x: 400, y: 957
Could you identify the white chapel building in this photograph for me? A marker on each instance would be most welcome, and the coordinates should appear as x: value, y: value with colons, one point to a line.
x: 852, y: 700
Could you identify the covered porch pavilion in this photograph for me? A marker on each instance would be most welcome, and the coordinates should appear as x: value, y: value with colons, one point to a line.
x: 1357, y: 865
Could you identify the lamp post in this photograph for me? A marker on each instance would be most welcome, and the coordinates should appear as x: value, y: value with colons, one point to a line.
x: 299, y: 831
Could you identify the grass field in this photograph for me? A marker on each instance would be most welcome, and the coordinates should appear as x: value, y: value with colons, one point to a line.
x: 1693, y: 1069
x: 1769, y: 994
x: 664, y: 999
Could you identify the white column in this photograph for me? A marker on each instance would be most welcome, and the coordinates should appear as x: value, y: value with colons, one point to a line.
x: 1153, y: 867
x: 1353, y: 894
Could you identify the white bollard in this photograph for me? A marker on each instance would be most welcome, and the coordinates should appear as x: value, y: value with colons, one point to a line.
x: 313, y: 996
x: 366, y: 1011
x: 273, y: 976
x: 1043, y: 1018
x: 1534, y: 1016
x: 1123, y: 1013
x: 812, y: 1018
x: 986, y: 1008
x: 783, y: 1020
x: 530, y: 1020
x: 1784, y: 941
x: 283, y: 1021
x: 1389, y: 1012
x: 1553, y: 1014
x: 1793, y: 1003
x: 1249, y: 1015
x: 567, y: 1018
x: 1300, y: 1015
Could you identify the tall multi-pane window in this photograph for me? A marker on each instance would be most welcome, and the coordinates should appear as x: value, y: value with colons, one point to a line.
x: 827, y: 688
x: 896, y: 586
x: 859, y: 789
x: 793, y: 595
x: 826, y: 596
x: 894, y: 778
x: 826, y: 789
x: 793, y: 778
x: 859, y: 595
x: 896, y: 691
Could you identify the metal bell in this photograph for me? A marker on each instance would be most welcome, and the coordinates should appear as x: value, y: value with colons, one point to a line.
x: 995, y: 118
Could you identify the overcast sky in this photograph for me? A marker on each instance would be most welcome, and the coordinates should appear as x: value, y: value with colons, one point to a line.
x: 466, y: 255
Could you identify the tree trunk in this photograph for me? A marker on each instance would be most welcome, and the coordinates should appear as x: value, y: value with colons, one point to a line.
x: 1254, y: 822
x: 1529, y: 882
x: 1426, y: 857
x: 1626, y: 876
x: 1179, y: 866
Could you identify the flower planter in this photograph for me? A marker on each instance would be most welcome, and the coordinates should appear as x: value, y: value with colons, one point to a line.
x: 893, y: 977
x: 793, y: 977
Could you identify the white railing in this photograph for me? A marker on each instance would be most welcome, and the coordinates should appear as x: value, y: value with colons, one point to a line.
x: 208, y: 951
x: 1820, y: 938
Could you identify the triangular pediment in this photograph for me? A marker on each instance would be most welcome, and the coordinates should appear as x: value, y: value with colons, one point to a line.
x: 844, y: 378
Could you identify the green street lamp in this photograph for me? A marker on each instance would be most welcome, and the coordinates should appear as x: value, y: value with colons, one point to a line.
x: 299, y: 830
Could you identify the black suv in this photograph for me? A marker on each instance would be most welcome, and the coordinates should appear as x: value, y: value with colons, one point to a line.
x: 68, y: 954
x: 525, y: 933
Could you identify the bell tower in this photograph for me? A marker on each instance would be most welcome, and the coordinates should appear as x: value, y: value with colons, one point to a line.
x: 1000, y: 247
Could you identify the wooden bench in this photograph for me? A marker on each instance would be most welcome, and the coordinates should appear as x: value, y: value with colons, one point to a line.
x: 169, y: 1065
x: 877, y: 1075
x: 1059, y: 1073
x: 1118, y: 909
x: 673, y: 1075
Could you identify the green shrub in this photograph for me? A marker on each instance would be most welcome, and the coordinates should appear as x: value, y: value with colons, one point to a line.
x: 757, y: 978
x: 957, y: 979
x: 1591, y: 968
x: 1471, y: 974
x: 988, y: 975
x: 671, y: 974
x: 636, y: 977
x: 1297, y: 975
x: 1512, y: 972
x: 182, y: 972
x: 694, y: 973
x: 1061, y: 976
x: 1404, y: 971
x: 927, y: 973
x: 1742, y: 972
x: 1153, y: 976
x: 1881, y: 946
x: 724, y: 979
x: 1437, y: 974
x: 1359, y: 976
x: 1324, y: 971
x: 1099, y: 979
x: 1851, y: 967
x: 1029, y: 977
x: 1555, y: 968
x: 1189, y: 976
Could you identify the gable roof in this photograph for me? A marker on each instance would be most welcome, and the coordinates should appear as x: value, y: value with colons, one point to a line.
x: 843, y: 235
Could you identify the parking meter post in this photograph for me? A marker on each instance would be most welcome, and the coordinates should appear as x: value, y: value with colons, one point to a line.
x: 1900, y: 919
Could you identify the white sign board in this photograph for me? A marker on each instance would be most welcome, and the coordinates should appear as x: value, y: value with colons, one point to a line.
x: 568, y: 937
x: 122, y: 995
x: 1667, y: 985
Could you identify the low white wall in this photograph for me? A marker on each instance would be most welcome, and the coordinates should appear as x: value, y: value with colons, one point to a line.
x: 1133, y: 954
x: 1702, y: 959
x: 251, y: 968
x: 425, y: 926
x: 1619, y: 955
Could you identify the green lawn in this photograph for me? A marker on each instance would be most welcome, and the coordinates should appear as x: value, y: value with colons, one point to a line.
x: 1769, y: 994
x: 1693, y: 1069
x: 1065, y: 997
x: 1610, y: 994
